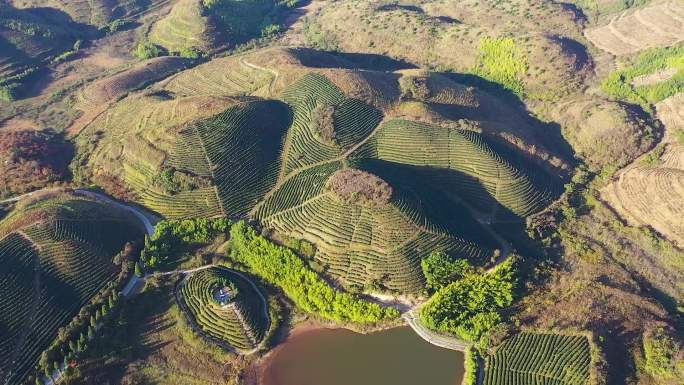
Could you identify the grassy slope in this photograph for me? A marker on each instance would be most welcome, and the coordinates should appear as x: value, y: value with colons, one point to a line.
x: 186, y: 26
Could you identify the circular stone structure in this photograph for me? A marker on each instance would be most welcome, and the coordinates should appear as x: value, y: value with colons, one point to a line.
x: 225, y: 307
x: 224, y: 294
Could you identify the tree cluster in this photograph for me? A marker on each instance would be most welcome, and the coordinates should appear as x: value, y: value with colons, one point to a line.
x: 172, y: 236
x: 663, y: 354
x: 471, y: 306
x: 440, y: 269
x: 73, y: 339
x: 32, y: 160
x: 280, y: 266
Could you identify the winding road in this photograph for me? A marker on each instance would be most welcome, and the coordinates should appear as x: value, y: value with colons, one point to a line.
x: 412, y: 316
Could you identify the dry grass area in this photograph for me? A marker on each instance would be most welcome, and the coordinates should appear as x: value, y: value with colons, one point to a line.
x: 18, y: 124
x: 150, y: 344
x: 605, y: 133
x: 654, y: 78
x: 113, y: 87
x: 658, y: 25
x: 447, y: 35
x: 359, y: 187
x: 650, y: 192
x: 614, y: 280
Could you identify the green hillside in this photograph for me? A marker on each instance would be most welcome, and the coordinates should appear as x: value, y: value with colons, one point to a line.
x: 57, y: 255
x: 549, y: 359
x: 292, y: 160
x: 241, y: 320
x: 208, y: 25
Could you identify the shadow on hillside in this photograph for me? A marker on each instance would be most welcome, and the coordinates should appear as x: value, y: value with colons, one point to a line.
x: 512, y: 111
x: 442, y: 198
x: 135, y: 334
x: 349, y: 60
x: 402, y: 7
x: 583, y: 61
x: 294, y: 14
x: 64, y: 32
x: 64, y: 20
x: 577, y: 12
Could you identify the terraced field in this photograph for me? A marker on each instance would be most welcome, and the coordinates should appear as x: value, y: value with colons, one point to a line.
x: 279, y: 160
x: 359, y: 243
x: 651, y: 195
x: 242, y: 146
x: 545, y: 359
x: 241, y: 323
x: 351, y: 120
x: 57, y: 255
x: 657, y: 25
x: 113, y: 87
x: 186, y: 26
x: 142, y: 128
x: 472, y: 168
x: 209, y: 79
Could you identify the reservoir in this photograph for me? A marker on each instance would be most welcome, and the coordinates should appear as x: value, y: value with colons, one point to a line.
x: 341, y: 357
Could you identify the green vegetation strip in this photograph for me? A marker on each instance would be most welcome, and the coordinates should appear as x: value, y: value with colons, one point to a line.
x: 503, y: 62
x: 282, y: 267
x: 620, y: 83
x: 172, y: 237
x: 470, y: 307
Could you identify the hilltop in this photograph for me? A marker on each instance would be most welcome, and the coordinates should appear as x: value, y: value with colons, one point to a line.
x: 29, y: 39
x: 265, y: 138
x: 506, y: 173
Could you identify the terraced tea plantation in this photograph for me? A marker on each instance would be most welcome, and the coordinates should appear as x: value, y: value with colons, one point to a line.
x: 57, y: 254
x: 543, y: 359
x: 226, y: 308
x: 280, y: 159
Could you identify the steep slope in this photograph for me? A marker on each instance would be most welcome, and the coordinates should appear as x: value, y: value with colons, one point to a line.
x: 28, y: 40
x: 57, y: 252
x: 282, y: 158
x: 651, y: 193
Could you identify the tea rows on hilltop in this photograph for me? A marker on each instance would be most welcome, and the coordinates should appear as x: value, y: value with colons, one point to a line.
x: 275, y: 157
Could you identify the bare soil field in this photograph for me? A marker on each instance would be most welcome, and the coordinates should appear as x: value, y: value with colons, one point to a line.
x: 657, y: 25
x: 652, y: 194
x: 656, y: 77
x: 113, y: 87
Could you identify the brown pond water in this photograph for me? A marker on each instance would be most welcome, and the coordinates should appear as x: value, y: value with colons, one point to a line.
x: 341, y: 357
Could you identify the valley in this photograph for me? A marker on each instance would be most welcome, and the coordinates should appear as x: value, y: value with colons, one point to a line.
x: 288, y: 192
